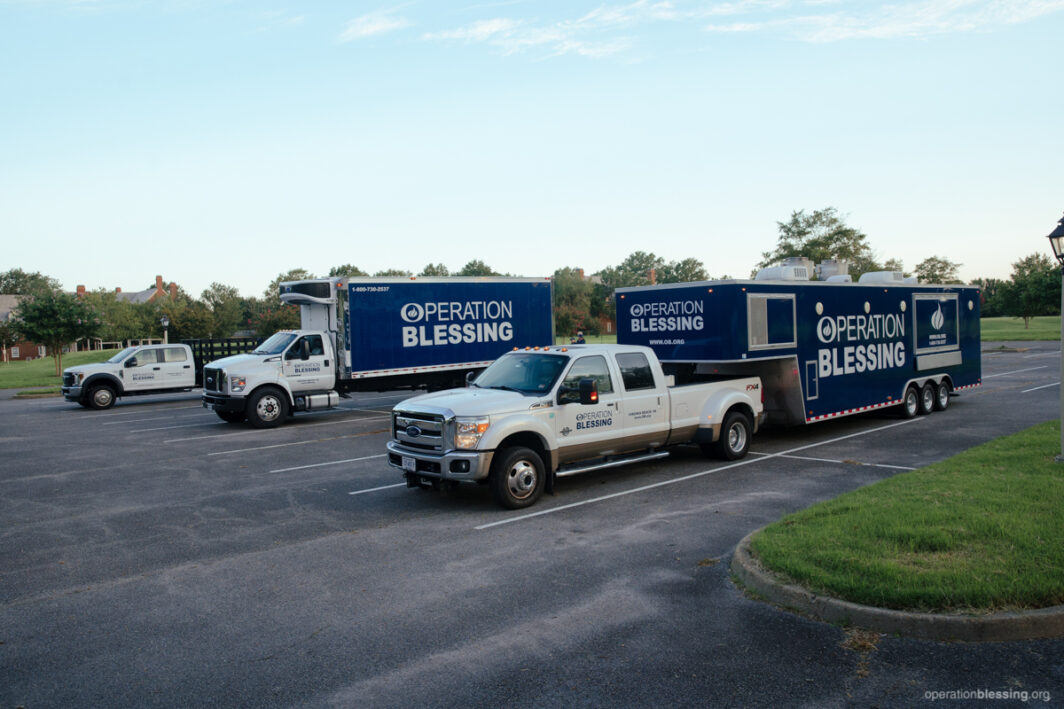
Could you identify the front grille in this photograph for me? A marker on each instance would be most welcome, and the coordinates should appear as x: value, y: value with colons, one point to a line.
x: 214, y: 380
x: 68, y: 380
x: 421, y: 431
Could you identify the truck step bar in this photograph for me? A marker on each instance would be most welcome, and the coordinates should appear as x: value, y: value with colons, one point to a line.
x: 612, y: 462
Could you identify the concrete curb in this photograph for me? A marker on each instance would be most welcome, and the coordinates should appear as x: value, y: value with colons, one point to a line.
x: 1033, y: 625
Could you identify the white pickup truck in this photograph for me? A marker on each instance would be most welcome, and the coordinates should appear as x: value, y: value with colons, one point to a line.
x: 148, y: 369
x: 541, y: 413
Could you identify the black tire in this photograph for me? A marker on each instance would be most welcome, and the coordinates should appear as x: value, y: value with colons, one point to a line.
x: 101, y: 396
x: 267, y: 408
x: 910, y: 403
x: 517, y: 477
x: 231, y: 416
x: 928, y: 394
x: 735, y: 434
x: 942, y: 396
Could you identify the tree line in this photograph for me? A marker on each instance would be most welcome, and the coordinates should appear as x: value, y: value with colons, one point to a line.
x: 46, y: 315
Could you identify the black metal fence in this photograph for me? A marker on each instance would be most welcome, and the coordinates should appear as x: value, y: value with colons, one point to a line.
x: 206, y: 351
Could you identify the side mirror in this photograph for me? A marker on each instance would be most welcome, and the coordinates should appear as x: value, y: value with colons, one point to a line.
x: 131, y: 362
x: 470, y: 377
x: 588, y: 392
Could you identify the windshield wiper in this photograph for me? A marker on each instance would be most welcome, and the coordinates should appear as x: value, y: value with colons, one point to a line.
x: 509, y: 388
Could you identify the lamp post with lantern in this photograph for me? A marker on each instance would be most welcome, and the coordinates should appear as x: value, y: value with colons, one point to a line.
x: 165, y: 322
x: 1056, y: 241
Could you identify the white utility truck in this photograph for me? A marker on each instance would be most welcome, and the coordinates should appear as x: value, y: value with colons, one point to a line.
x: 541, y: 413
x: 377, y: 334
x: 148, y: 369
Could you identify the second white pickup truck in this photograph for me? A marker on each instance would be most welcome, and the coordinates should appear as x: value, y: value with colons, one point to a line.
x: 542, y: 413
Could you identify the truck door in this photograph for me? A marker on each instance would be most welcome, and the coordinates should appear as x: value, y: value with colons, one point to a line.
x: 176, y: 368
x: 588, y: 430
x: 646, y: 403
x: 316, y: 373
x: 144, y: 373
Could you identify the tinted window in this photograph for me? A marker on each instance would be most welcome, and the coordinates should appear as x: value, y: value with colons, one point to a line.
x: 635, y: 371
x: 586, y: 368
x: 174, y: 354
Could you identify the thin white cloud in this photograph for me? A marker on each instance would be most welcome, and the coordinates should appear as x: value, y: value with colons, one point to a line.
x: 375, y: 23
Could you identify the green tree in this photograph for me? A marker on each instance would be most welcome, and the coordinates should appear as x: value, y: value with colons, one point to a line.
x: 392, y: 273
x: 572, y: 301
x: 894, y: 264
x: 18, y: 282
x: 55, y: 319
x: 435, y: 269
x: 1033, y: 290
x: 346, y: 270
x: 633, y: 271
x: 937, y: 269
x: 989, y: 296
x: 9, y: 337
x: 477, y: 267
x: 821, y: 236
x: 687, y: 271
x: 224, y: 304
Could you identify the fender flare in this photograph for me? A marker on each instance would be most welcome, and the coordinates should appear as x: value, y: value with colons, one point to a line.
x: 718, y: 405
x: 102, y: 378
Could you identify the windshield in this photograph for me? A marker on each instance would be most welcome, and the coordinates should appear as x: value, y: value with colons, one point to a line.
x: 526, y: 373
x: 121, y: 355
x: 275, y: 344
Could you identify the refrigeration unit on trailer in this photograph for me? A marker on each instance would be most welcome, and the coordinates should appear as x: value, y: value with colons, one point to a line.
x: 822, y: 349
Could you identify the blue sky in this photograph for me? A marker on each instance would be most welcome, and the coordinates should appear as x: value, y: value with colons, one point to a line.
x: 231, y: 141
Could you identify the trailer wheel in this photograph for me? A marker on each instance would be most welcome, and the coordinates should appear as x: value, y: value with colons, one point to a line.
x: 942, y: 396
x: 734, y: 436
x: 102, y: 396
x: 267, y: 408
x: 927, y: 398
x: 910, y: 405
x: 517, y: 478
x: 231, y: 416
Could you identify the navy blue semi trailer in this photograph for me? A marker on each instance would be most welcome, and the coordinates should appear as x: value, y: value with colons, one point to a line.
x: 822, y: 349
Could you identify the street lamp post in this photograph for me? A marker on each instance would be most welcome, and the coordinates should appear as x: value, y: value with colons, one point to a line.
x: 1056, y: 241
x: 165, y: 322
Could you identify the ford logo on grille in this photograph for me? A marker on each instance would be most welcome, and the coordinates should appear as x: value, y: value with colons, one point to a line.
x: 210, y: 380
x: 413, y: 431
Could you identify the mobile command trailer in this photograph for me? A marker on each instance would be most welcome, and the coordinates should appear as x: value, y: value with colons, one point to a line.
x: 377, y: 334
x: 821, y: 349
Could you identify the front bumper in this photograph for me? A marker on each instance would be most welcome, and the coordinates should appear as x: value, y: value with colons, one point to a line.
x: 72, y: 393
x: 224, y: 402
x: 453, y: 465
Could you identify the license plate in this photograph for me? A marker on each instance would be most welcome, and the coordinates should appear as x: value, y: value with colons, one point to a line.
x: 409, y: 464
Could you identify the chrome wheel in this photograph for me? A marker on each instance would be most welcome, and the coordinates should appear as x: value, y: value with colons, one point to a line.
x: 522, y: 479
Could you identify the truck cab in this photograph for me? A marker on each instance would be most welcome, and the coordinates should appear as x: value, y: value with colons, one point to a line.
x: 145, y: 369
x: 293, y: 370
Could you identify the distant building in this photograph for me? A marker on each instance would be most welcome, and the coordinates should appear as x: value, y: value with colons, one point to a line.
x: 145, y: 296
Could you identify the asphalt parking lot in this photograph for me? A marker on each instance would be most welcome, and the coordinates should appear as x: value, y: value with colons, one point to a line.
x: 153, y: 555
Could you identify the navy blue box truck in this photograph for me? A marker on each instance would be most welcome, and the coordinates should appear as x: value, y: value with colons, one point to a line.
x: 378, y: 334
x: 822, y: 349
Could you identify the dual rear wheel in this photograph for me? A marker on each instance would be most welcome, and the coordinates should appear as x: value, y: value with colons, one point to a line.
x: 923, y: 400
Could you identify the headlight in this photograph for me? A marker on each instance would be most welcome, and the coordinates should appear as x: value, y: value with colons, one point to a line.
x: 469, y: 431
x: 237, y: 384
x: 78, y: 378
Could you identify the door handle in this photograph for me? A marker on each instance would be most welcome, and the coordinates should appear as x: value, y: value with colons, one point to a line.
x: 156, y: 368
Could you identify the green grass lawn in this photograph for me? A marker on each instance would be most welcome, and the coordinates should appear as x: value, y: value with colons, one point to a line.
x: 1004, y: 329
x: 979, y: 532
x: 41, y: 372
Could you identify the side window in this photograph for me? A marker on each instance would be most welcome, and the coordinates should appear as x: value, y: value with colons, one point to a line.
x: 147, y: 357
x: 586, y: 368
x: 635, y: 371
x: 314, y: 342
x: 174, y: 354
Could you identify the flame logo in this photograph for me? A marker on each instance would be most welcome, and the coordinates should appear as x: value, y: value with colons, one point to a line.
x: 938, y: 319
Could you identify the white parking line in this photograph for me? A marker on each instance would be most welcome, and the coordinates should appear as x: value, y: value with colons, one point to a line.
x: 331, y: 462
x: 285, y: 445
x: 157, y: 418
x: 167, y: 428
x: 376, y: 489
x: 257, y: 431
x: 1017, y: 371
x: 829, y: 460
x: 1046, y: 386
x: 685, y: 478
